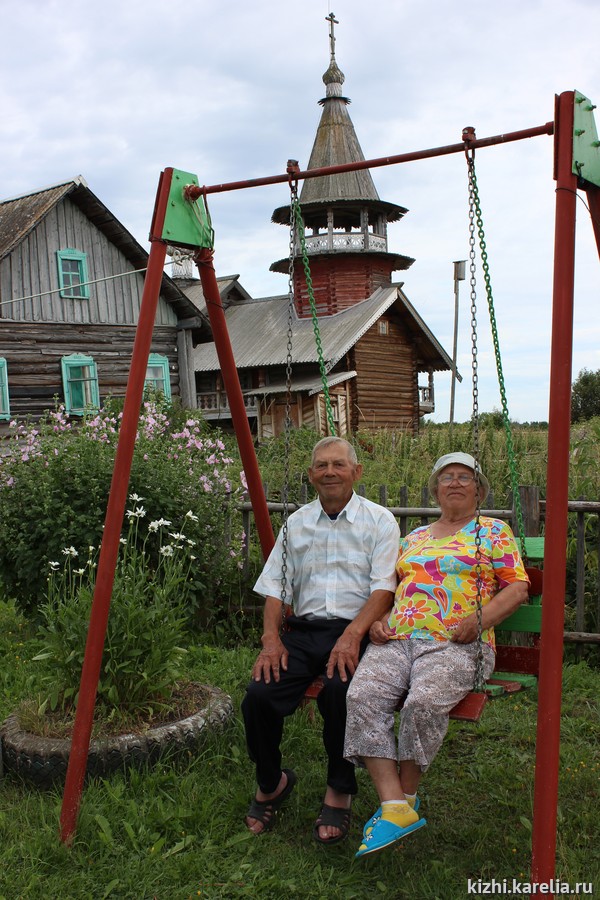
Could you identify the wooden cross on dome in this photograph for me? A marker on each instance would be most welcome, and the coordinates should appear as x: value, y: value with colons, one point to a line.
x: 332, y: 21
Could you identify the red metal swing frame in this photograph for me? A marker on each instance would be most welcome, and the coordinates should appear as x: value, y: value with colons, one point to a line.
x: 551, y: 650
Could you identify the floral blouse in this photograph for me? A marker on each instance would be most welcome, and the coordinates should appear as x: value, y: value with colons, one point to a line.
x: 437, y: 581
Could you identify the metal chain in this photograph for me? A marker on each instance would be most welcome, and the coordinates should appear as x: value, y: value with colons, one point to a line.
x: 288, y: 398
x: 297, y: 216
x: 514, y: 477
x: 479, y: 682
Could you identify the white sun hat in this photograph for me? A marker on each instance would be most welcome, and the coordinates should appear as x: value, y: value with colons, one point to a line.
x: 462, y: 459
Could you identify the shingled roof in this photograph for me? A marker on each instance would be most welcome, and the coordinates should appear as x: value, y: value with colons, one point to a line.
x: 335, y: 144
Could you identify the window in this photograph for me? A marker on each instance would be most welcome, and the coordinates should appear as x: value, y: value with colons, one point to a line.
x: 80, y: 384
x: 72, y: 274
x: 383, y: 326
x: 157, y: 375
x: 4, y: 401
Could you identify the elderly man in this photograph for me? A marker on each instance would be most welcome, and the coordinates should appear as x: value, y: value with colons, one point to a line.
x: 340, y: 555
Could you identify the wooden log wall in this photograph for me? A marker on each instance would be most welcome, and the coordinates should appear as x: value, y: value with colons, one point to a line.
x: 340, y: 281
x: 385, y: 393
x: 33, y: 352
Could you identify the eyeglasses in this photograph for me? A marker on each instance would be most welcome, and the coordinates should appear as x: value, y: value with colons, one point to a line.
x: 463, y: 478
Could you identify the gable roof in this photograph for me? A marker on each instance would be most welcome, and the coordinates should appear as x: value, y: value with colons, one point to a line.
x: 230, y: 291
x: 258, y: 333
x: 19, y: 216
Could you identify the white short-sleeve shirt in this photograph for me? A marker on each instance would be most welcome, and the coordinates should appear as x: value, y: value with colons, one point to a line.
x: 333, y: 565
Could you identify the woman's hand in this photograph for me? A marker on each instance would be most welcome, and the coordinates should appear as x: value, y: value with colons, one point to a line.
x: 380, y: 632
x: 466, y: 630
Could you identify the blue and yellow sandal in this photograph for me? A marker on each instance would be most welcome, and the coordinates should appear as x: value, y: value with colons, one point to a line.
x: 377, y: 815
x: 384, y: 834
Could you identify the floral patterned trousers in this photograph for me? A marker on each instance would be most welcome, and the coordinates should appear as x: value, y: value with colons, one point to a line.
x: 426, y: 678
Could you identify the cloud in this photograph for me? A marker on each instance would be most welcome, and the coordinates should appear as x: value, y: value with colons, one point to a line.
x: 118, y: 91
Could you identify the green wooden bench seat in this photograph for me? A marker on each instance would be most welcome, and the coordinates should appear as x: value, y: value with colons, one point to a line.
x: 517, y: 667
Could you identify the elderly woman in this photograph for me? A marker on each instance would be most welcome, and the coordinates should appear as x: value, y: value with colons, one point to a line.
x: 423, y: 654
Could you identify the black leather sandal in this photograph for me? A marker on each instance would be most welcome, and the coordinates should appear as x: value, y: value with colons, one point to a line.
x: 264, y: 811
x: 337, y: 817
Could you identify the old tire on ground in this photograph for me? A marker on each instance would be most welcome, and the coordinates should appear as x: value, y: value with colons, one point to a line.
x: 43, y: 761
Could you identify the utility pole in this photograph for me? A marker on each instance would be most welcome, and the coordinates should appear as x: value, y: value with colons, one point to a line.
x: 459, y: 275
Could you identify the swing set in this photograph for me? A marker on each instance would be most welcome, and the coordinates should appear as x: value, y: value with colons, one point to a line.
x: 181, y: 220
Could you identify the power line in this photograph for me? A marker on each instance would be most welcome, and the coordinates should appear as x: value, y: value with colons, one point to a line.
x: 80, y: 284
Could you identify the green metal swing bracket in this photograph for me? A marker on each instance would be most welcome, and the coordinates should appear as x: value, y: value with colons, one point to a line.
x: 586, y: 146
x: 187, y: 222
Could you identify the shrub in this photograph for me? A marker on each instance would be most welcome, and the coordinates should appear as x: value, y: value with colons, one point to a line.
x: 142, y: 657
x: 54, y: 484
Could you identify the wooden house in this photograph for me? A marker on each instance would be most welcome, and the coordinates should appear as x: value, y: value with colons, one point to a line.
x: 375, y: 344
x: 71, y: 283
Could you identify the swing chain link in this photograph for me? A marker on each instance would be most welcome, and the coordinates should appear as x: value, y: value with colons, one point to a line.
x: 514, y: 477
x: 299, y: 228
x: 288, y: 400
x: 479, y: 681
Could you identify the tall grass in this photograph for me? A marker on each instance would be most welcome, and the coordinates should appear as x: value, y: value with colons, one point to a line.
x: 397, y: 458
x: 177, y: 831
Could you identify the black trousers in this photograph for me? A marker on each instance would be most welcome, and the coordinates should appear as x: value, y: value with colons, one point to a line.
x: 265, y: 706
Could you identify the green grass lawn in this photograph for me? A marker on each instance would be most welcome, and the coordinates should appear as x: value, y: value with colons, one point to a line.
x: 177, y: 831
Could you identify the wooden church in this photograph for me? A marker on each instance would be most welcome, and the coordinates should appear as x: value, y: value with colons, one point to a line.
x: 375, y: 345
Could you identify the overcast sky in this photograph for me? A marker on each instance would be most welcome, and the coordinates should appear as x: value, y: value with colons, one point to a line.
x: 117, y: 91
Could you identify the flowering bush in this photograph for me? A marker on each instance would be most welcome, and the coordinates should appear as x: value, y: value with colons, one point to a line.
x: 54, y: 483
x: 148, y: 615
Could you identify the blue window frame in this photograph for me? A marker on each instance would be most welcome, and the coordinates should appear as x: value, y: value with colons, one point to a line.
x: 72, y: 274
x: 80, y: 384
x: 4, y: 398
x: 157, y: 375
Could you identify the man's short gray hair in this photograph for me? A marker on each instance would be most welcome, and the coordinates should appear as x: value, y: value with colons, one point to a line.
x: 326, y: 441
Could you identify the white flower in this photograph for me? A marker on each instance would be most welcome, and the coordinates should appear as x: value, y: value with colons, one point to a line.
x: 69, y: 551
x: 167, y: 551
x: 135, y: 498
x: 137, y: 513
x: 122, y: 540
x: 190, y: 515
x: 177, y: 536
x: 153, y: 526
x: 79, y: 571
x: 54, y: 566
x: 190, y: 542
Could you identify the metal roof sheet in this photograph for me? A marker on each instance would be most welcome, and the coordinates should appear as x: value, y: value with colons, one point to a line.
x: 312, y: 385
x: 258, y: 333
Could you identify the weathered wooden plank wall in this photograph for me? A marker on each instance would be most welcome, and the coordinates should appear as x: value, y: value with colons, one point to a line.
x: 340, y: 282
x: 31, y: 269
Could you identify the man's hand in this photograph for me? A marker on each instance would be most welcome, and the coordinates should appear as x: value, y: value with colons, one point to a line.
x: 271, y: 659
x: 380, y: 632
x: 344, y: 656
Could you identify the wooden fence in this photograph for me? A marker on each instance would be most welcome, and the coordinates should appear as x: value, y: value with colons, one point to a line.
x: 584, y: 516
